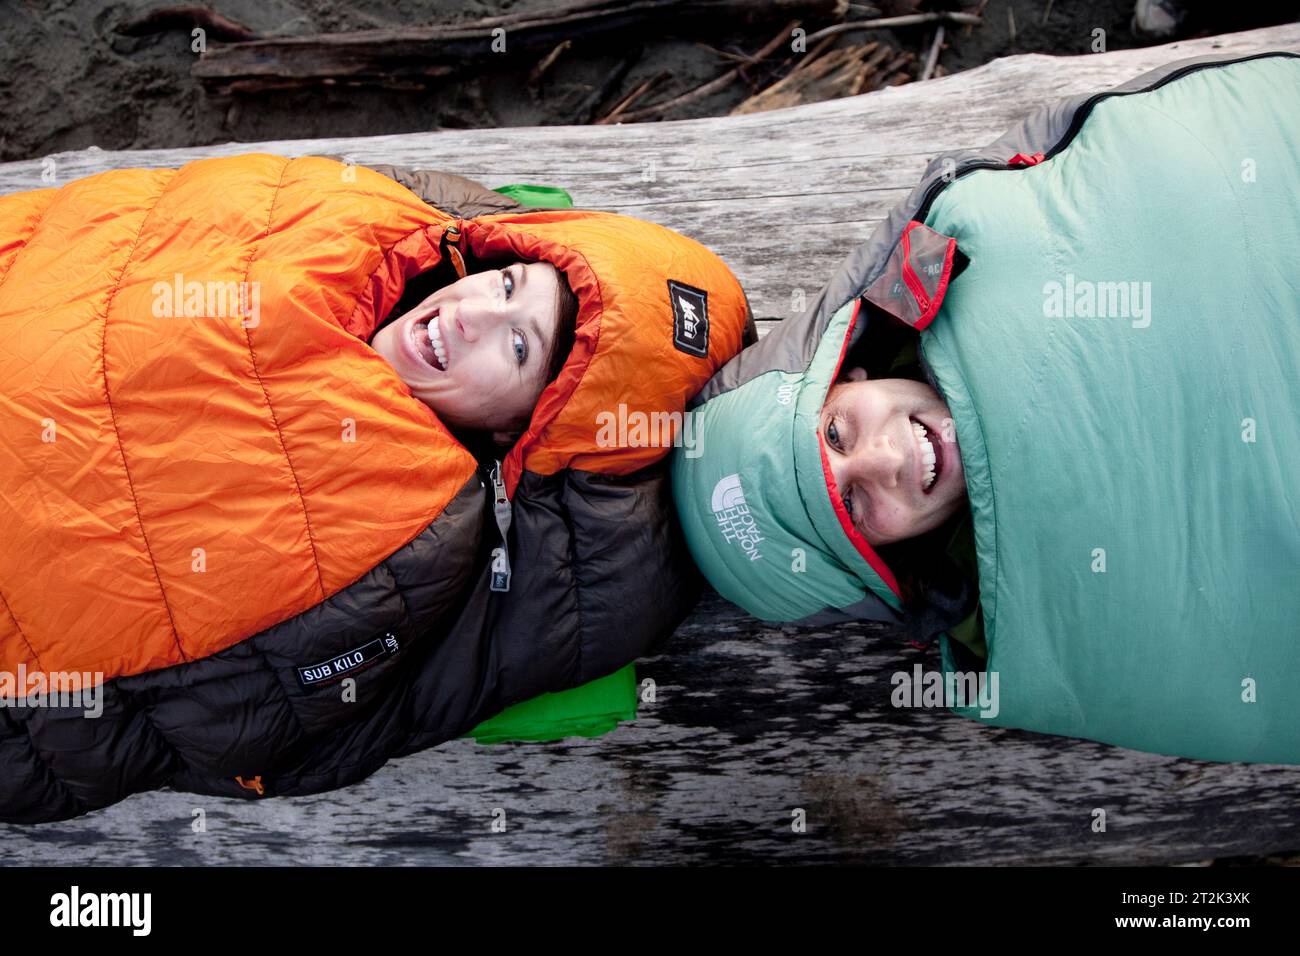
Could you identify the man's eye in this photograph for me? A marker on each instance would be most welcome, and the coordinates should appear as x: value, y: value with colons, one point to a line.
x: 521, y: 347
x: 507, y: 282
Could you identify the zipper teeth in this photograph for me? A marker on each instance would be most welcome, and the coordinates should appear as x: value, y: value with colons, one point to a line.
x: 1076, y: 123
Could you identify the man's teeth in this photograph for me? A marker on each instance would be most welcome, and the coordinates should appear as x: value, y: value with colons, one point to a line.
x: 430, y: 344
x: 927, y: 454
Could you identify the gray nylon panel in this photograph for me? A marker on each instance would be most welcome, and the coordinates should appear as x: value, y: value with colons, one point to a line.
x: 447, y: 192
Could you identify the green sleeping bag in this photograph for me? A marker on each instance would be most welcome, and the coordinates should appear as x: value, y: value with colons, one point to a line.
x: 1108, y: 300
x: 1122, y: 360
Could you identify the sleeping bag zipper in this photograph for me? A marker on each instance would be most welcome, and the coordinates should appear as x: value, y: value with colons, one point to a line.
x: 501, y: 510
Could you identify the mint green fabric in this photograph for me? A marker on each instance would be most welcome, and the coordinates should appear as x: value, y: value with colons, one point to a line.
x: 753, y: 499
x: 596, y: 707
x: 1163, y: 439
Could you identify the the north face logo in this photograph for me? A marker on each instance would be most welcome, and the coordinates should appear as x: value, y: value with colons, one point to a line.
x: 690, y: 318
x: 732, y: 514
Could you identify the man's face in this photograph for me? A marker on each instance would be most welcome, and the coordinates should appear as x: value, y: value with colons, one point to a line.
x: 476, y: 350
x: 893, y: 454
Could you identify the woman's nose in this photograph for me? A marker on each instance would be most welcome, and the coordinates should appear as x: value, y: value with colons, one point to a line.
x: 879, y: 460
x: 475, y: 316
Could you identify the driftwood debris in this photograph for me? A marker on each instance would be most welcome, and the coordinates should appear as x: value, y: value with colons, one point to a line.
x: 716, y: 85
x: 845, y: 71
x: 605, y: 88
x: 751, y: 720
x: 186, y: 15
x: 890, y: 23
x: 649, y: 83
x: 419, y: 54
x: 932, y: 58
x: 538, y: 73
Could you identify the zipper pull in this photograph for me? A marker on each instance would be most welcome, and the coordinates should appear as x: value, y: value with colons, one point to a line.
x: 451, y: 241
x: 501, y: 509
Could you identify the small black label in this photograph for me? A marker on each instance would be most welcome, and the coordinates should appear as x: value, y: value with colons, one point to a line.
x: 690, y: 318
x: 341, y: 665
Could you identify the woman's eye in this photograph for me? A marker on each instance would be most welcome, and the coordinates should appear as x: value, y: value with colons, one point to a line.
x: 521, y: 346
x: 858, y: 521
x: 833, y: 437
x: 507, y: 282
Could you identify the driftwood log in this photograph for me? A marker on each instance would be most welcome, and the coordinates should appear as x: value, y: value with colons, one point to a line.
x: 750, y: 722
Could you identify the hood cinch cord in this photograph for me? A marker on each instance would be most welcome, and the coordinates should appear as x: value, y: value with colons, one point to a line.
x: 451, y: 245
x: 501, y: 509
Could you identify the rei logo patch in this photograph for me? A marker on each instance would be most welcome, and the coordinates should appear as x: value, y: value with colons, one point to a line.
x: 341, y: 665
x: 690, y: 318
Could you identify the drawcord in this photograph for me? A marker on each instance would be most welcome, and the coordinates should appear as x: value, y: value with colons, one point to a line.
x: 451, y: 242
x: 501, y: 508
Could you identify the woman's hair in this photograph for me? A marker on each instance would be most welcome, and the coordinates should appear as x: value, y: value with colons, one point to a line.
x: 921, y: 563
x: 566, y: 326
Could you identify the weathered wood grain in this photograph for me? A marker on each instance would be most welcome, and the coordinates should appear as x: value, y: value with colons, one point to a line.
x: 750, y: 721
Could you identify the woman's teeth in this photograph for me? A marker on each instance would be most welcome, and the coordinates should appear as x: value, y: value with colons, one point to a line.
x: 428, y: 342
x: 927, y: 454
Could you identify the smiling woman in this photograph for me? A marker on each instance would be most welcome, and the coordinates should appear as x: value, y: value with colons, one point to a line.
x: 480, y: 350
x: 320, y: 523
x: 893, y: 456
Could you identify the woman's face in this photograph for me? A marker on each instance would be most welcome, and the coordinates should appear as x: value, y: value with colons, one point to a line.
x: 476, y: 350
x: 893, y: 453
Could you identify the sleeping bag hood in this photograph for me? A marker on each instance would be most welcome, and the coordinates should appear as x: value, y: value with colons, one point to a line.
x: 227, y: 516
x: 1106, y: 299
